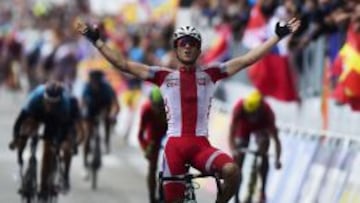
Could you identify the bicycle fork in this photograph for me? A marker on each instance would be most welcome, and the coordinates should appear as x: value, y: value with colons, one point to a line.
x: 96, y: 162
x: 252, y: 181
x: 189, y: 191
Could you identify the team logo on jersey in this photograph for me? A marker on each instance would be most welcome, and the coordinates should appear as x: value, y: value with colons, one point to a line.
x: 172, y: 82
x: 201, y: 81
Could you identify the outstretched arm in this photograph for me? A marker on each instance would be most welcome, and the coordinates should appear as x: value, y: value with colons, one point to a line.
x: 234, y: 124
x: 275, y: 136
x: 113, y: 56
x: 235, y: 65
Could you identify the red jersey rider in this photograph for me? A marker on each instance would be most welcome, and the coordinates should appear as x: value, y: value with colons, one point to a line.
x: 152, y: 129
x: 253, y: 115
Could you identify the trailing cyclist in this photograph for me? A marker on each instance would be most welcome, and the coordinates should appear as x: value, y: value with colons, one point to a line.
x: 187, y: 90
x: 253, y: 115
x: 50, y: 105
x: 152, y: 129
x: 100, y: 104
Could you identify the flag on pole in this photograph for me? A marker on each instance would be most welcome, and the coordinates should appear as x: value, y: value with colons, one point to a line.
x: 347, y: 68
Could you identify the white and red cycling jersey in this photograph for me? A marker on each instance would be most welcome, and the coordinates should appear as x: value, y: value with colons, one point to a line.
x: 187, y: 96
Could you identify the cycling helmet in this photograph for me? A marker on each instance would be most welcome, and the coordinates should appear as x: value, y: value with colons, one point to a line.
x: 96, y: 75
x: 186, y: 31
x: 252, y: 102
x: 53, y: 91
x: 155, y: 96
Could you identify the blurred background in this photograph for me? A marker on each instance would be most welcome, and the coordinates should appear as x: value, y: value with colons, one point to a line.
x: 311, y: 79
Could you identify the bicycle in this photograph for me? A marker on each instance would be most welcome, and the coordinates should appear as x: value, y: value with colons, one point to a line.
x: 95, y: 154
x: 56, y: 179
x: 253, y: 172
x: 189, y: 194
x: 28, y: 188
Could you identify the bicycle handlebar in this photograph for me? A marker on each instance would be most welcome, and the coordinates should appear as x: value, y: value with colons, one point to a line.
x: 33, y: 144
x: 187, y: 178
x: 184, y: 177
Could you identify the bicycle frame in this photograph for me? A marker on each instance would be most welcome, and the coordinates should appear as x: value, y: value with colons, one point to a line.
x: 253, y: 172
x: 55, y: 182
x: 253, y: 180
x: 187, y: 178
x: 29, y: 184
x: 59, y: 172
x: 95, y: 150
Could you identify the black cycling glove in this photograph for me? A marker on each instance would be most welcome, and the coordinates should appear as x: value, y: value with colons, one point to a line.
x: 92, y: 34
x: 282, y: 30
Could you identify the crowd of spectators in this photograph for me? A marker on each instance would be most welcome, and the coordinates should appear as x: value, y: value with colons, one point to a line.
x: 38, y: 39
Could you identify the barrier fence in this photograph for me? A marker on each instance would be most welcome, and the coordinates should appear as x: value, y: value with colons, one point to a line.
x: 318, y: 166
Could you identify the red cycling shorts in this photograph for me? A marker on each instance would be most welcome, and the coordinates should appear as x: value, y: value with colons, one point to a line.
x: 194, y: 150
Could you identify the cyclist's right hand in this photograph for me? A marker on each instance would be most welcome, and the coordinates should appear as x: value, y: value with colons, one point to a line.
x: 13, y: 145
x: 92, y: 33
x: 112, y: 119
x: 278, y: 165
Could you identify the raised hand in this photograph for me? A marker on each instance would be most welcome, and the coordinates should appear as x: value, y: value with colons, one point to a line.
x: 91, y: 33
x: 284, y: 29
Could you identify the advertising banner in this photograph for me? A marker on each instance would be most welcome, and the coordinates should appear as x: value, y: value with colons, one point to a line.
x: 295, y: 167
x: 335, y: 175
x: 351, y: 190
x: 316, y: 175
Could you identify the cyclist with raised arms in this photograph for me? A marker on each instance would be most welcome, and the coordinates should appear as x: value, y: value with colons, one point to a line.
x: 253, y: 115
x: 187, y: 91
x: 50, y: 105
x: 152, y: 129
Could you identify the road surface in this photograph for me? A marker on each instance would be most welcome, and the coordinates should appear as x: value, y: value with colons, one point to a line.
x: 121, y: 180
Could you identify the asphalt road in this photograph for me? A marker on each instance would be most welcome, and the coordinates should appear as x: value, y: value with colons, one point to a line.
x: 121, y: 180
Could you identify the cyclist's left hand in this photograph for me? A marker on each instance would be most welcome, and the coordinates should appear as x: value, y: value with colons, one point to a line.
x: 278, y: 164
x: 112, y: 119
x: 149, y: 150
x: 282, y: 30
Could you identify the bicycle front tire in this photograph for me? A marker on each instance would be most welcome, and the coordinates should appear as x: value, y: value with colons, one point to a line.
x: 94, y: 175
x: 28, y: 199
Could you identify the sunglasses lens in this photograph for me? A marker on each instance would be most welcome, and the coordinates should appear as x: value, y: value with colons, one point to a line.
x: 188, y: 40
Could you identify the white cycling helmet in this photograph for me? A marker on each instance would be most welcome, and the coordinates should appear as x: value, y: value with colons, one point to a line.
x: 186, y: 31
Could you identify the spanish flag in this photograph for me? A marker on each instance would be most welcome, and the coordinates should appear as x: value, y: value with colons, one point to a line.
x: 347, y: 68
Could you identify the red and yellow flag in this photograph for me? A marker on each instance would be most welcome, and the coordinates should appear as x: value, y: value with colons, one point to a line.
x: 348, y: 65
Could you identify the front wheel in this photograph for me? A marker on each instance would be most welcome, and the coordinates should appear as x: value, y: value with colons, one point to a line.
x: 252, y: 181
x: 96, y: 161
x: 28, y: 199
x: 54, y: 199
x: 94, y: 175
x: 29, y: 187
